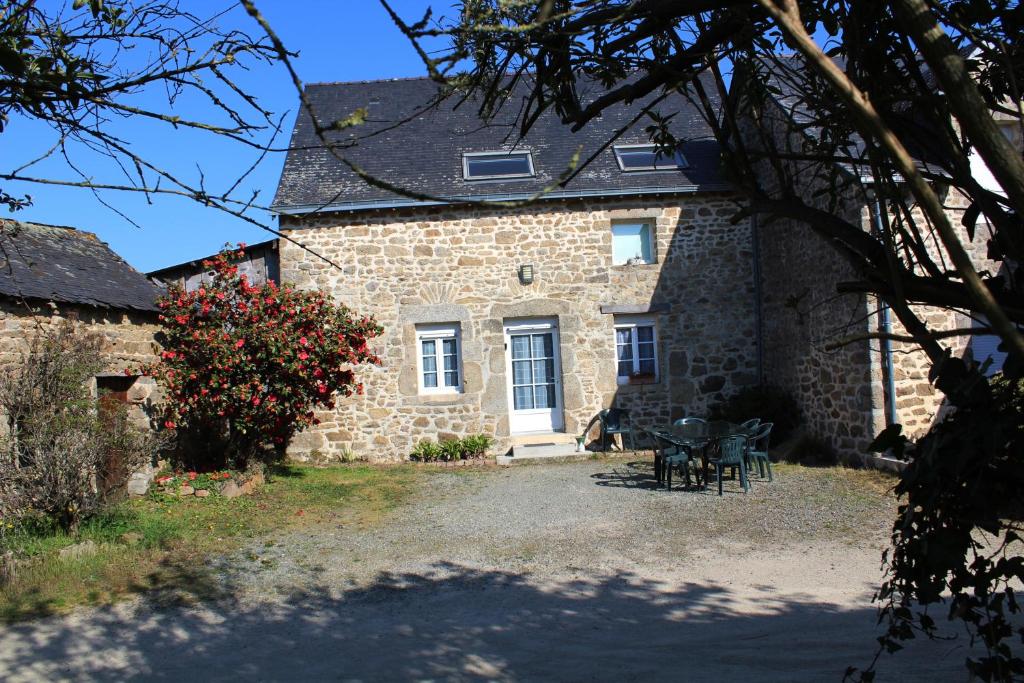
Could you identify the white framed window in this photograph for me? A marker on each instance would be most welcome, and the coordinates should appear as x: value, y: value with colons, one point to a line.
x: 633, y: 158
x: 494, y: 165
x: 439, y: 358
x: 632, y: 243
x: 636, y: 350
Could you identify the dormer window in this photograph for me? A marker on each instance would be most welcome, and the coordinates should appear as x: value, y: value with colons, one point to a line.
x: 496, y: 165
x: 647, y: 158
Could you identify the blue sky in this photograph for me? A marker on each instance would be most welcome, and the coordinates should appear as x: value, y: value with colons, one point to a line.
x: 339, y: 40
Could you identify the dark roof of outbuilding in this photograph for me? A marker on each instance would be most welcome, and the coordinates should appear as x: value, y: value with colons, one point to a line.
x: 424, y: 153
x: 56, y: 263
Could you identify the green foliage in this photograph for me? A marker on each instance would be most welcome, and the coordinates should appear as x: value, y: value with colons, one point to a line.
x: 452, y: 450
x: 247, y: 366
x: 476, y: 446
x: 766, y: 402
x: 426, y: 451
x: 963, y: 495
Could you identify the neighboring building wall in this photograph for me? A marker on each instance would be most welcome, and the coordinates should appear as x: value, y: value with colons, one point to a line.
x: 128, y: 341
x: 840, y: 403
x: 450, y: 265
x: 918, y: 403
x: 259, y: 265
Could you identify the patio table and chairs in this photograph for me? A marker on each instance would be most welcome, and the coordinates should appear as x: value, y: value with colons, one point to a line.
x: 698, y: 444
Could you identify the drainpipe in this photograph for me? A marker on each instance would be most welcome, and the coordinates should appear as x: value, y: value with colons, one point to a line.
x: 758, y: 326
x: 886, y: 325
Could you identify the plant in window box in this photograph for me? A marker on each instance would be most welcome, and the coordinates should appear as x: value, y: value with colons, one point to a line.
x: 641, y: 377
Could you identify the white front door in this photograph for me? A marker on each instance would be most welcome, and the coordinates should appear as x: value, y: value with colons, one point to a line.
x: 534, y: 376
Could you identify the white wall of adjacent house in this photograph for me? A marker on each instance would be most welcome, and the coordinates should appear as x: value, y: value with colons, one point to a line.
x: 1012, y: 130
x: 985, y: 347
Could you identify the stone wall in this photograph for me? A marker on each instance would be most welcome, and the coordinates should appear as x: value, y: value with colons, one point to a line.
x: 128, y: 341
x: 918, y: 403
x: 839, y: 397
x: 459, y: 265
x: 842, y: 391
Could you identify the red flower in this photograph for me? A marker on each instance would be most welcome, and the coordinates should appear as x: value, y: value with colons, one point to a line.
x: 303, y: 341
x: 240, y: 343
x: 303, y: 355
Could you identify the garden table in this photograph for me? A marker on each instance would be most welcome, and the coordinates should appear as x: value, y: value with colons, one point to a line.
x: 693, y: 436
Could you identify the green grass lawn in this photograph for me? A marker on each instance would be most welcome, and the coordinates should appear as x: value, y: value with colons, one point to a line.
x: 147, y: 544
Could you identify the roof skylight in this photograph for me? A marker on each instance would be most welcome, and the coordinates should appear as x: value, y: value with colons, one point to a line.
x: 495, y: 165
x: 647, y: 158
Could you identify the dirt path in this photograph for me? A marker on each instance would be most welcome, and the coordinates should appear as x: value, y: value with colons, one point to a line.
x: 570, y: 573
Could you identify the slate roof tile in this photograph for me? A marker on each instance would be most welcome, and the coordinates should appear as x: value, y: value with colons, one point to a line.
x: 56, y: 263
x: 424, y: 154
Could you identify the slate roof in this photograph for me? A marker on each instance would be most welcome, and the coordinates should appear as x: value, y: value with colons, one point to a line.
x: 56, y: 263
x: 790, y: 87
x: 424, y: 154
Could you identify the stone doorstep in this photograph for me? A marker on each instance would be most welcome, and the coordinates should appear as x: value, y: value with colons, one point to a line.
x: 520, y: 453
x: 546, y: 438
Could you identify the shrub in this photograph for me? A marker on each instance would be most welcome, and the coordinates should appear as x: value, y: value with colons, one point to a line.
x: 59, y: 448
x: 425, y: 451
x: 451, y: 450
x: 476, y: 446
x: 246, y: 366
x: 766, y: 402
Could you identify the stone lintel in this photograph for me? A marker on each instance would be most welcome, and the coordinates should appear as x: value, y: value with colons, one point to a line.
x: 631, y: 309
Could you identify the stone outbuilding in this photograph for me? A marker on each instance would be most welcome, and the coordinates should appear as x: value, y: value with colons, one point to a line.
x: 50, y: 274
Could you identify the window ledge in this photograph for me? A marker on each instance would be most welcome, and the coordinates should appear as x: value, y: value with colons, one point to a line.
x: 440, y: 399
x: 630, y: 387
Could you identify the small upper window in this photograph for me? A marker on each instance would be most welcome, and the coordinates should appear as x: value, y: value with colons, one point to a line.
x: 497, y: 165
x: 439, y: 359
x: 636, y: 355
x: 631, y: 244
x: 647, y: 158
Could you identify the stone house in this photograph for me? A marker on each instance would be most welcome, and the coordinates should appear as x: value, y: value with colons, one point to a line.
x: 628, y: 286
x: 50, y: 274
x: 631, y: 285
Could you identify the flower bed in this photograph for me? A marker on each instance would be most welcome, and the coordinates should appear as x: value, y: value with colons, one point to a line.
x: 454, y: 450
x: 226, y: 483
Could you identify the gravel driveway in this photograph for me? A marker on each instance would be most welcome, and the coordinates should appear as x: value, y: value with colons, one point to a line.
x: 575, y: 571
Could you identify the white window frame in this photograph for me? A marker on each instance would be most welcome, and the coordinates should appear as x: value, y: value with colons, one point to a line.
x: 649, y: 224
x: 632, y: 323
x: 679, y: 159
x: 466, y: 156
x: 438, y: 333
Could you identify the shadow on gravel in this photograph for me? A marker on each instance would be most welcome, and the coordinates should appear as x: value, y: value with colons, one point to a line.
x: 455, y: 623
x: 630, y: 475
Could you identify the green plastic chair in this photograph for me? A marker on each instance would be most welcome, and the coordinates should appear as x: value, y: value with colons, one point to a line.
x: 616, y: 421
x: 680, y: 459
x: 731, y: 453
x: 758, y: 450
x: 751, y: 423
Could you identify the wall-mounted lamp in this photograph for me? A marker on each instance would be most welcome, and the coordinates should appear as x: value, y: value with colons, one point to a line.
x: 526, y: 274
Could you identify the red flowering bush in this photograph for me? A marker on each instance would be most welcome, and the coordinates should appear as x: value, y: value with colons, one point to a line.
x: 246, y: 366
